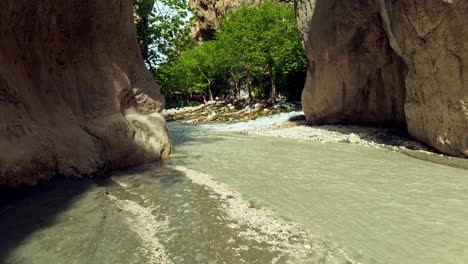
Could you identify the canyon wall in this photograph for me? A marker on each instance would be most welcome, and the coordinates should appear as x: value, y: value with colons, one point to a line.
x: 389, y: 62
x: 208, y: 13
x: 75, y: 96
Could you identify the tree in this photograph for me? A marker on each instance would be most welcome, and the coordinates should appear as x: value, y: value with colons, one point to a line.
x: 263, y: 41
x: 196, y: 70
x: 163, y: 28
x: 257, y: 49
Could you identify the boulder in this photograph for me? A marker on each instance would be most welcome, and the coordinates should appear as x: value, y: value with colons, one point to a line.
x: 431, y: 37
x: 393, y: 63
x: 354, y: 76
x: 75, y: 96
x: 354, y: 139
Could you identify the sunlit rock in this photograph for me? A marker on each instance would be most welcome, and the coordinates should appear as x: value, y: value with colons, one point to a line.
x: 396, y: 63
x: 75, y: 96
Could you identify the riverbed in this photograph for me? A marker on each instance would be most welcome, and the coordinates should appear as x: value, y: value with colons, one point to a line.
x: 226, y: 197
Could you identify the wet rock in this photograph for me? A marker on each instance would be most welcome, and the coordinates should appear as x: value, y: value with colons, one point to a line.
x: 211, y: 117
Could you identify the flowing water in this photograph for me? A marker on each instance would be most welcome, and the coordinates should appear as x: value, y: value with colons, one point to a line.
x: 229, y: 198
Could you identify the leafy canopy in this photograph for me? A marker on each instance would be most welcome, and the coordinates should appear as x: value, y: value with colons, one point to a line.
x: 163, y: 29
x: 257, y: 49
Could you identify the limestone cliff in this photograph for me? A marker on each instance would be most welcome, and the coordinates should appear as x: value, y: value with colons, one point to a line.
x: 75, y: 96
x: 208, y: 13
x: 389, y: 62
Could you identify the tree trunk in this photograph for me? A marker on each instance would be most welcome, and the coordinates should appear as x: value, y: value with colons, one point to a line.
x: 249, y: 87
x: 210, y: 94
x: 272, y: 96
x: 236, y: 92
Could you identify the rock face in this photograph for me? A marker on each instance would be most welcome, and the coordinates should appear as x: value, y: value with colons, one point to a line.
x: 209, y: 12
x: 390, y: 62
x: 75, y: 96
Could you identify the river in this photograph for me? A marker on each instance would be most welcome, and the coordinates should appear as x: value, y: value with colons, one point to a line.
x: 231, y: 198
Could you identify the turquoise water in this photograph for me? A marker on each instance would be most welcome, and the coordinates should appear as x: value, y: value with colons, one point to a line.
x: 230, y: 198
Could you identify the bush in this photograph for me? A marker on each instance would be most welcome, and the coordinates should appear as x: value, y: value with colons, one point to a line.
x: 256, y: 51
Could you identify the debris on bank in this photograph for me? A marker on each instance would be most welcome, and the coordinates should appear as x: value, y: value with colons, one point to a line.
x: 228, y: 112
x: 378, y: 137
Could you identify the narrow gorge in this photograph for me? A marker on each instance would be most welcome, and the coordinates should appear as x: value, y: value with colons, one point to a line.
x: 160, y: 131
x: 389, y: 63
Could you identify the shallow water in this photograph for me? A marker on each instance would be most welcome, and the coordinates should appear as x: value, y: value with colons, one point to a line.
x: 229, y: 198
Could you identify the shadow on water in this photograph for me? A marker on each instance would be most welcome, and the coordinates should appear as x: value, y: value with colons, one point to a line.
x: 31, y: 213
x: 392, y: 138
x: 195, y: 229
x: 183, y: 134
x: 23, y: 211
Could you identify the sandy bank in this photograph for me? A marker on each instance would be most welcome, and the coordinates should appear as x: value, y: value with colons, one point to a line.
x: 376, y: 137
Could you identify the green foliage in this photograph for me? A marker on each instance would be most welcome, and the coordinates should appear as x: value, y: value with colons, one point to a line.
x: 196, y: 70
x: 163, y: 28
x: 256, y: 49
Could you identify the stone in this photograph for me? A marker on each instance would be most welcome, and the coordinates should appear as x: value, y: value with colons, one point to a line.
x: 212, y: 116
x: 392, y: 63
x: 354, y: 139
x: 75, y: 96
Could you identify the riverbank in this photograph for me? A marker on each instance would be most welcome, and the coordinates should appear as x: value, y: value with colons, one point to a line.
x: 374, y: 137
x: 377, y: 137
x: 228, y: 112
x: 285, y: 120
x: 232, y: 198
x: 373, y: 204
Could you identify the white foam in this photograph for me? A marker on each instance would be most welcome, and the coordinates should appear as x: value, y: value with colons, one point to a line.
x: 261, y: 122
x: 265, y: 226
x: 146, y: 226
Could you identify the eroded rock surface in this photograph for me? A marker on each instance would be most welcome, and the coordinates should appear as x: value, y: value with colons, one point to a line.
x: 75, y: 96
x: 432, y: 37
x: 209, y: 12
x: 389, y: 62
